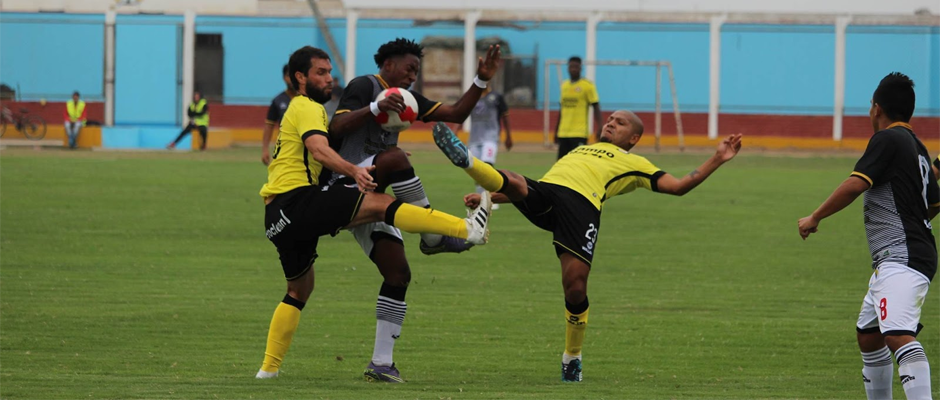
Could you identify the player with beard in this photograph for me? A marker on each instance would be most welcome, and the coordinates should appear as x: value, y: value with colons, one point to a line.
x: 298, y: 210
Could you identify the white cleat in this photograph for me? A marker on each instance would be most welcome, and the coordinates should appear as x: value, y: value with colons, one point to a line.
x: 262, y: 374
x: 478, y: 220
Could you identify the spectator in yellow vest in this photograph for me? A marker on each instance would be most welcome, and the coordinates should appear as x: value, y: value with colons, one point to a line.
x: 198, y: 119
x: 74, y: 118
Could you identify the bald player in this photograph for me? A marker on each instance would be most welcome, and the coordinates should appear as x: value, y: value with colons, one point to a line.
x: 567, y: 201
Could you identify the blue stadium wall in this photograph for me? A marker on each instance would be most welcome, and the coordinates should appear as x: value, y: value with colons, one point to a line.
x: 765, y: 69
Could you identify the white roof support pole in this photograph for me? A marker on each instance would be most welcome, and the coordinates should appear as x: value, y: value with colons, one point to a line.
x: 590, y: 54
x: 352, y: 21
x: 110, y: 18
x: 838, y: 104
x: 470, y: 52
x: 714, y: 74
x: 189, y: 60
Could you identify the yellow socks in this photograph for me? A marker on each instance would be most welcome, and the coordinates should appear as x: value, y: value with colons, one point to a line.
x: 283, y: 325
x: 414, y: 219
x: 577, y: 323
x: 485, y: 175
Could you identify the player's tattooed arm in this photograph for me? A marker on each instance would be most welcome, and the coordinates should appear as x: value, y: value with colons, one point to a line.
x: 727, y: 150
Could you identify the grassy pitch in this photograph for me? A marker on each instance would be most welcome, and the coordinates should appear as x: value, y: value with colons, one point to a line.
x: 148, y: 275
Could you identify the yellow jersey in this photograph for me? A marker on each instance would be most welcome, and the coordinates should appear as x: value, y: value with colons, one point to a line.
x: 601, y: 171
x: 292, y: 166
x: 576, y: 99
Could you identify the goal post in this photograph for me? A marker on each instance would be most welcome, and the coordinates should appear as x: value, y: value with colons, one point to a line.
x: 658, y: 65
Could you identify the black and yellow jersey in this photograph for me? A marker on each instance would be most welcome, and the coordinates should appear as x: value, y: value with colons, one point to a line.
x: 576, y: 100
x: 292, y: 166
x: 601, y: 171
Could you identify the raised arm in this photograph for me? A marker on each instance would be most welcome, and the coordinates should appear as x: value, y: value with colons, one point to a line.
x: 727, y: 149
x: 459, y: 111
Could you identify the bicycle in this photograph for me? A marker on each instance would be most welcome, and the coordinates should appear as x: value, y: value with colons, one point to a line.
x: 32, y: 126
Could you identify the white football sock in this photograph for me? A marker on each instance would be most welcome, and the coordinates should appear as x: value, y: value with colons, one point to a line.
x: 878, y: 373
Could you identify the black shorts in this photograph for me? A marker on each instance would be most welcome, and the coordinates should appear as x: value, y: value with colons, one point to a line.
x: 295, y: 220
x: 565, y: 145
x: 572, y: 219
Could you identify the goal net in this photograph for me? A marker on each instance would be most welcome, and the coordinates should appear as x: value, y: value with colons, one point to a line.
x: 560, y: 73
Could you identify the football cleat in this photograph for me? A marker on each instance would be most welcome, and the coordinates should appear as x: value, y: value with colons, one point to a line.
x: 262, y: 374
x: 450, y: 144
x: 448, y: 244
x: 377, y: 373
x: 478, y: 220
x: 571, y: 372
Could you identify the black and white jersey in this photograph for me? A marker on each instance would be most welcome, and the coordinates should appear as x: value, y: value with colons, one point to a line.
x: 897, y: 166
x: 277, y: 108
x: 370, y: 139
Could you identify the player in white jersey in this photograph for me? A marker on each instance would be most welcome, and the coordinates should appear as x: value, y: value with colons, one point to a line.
x: 490, y: 116
x: 901, y: 198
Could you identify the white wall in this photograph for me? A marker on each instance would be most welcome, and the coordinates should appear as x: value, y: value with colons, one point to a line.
x: 902, y: 7
x: 150, y: 6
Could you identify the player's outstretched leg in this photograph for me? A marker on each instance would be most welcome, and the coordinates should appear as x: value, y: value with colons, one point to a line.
x: 484, y: 174
x: 394, y: 169
x: 413, y: 219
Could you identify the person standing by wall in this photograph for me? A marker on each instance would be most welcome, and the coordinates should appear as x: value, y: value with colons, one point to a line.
x: 198, y: 119
x: 75, y: 118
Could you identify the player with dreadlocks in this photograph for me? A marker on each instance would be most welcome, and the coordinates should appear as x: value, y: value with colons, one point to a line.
x: 360, y: 140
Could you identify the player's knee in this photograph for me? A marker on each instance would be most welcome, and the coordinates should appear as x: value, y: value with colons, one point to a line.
x: 869, y: 342
x: 895, y: 342
x: 374, y: 208
x: 300, y: 289
x: 515, y: 184
x: 392, y: 159
x: 575, y: 289
x: 399, y: 275
x: 575, y: 294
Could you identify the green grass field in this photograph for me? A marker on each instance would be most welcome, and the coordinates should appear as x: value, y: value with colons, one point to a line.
x: 148, y: 275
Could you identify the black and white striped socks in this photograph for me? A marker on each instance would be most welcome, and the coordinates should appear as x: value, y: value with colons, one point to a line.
x: 877, y: 372
x: 914, y: 371
x: 390, y: 309
x: 408, y: 188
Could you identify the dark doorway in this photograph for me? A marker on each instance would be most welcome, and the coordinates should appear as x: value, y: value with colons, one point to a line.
x: 209, y: 66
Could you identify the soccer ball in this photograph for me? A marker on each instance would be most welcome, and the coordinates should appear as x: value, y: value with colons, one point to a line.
x: 397, y: 122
